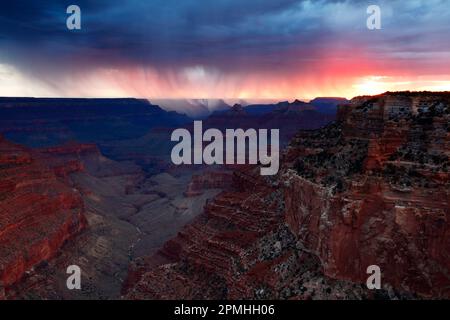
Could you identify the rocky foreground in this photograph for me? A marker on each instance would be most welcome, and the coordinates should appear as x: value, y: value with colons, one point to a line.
x: 371, y: 189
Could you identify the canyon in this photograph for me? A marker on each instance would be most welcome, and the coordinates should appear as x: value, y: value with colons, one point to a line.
x: 370, y: 189
x: 240, y: 147
x: 39, y: 210
x: 127, y: 213
x: 94, y: 178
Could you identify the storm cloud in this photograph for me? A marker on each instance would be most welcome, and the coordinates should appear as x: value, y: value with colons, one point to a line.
x: 220, y: 48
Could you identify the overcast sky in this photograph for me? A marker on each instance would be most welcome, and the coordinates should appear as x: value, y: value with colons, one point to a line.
x: 222, y: 48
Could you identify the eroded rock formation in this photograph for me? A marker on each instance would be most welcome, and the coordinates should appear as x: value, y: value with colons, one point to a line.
x: 39, y: 210
x: 386, y: 205
x: 212, y: 179
x: 372, y: 189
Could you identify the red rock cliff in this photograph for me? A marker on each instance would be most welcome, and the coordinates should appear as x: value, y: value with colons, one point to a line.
x: 386, y: 204
x: 39, y: 211
x: 208, y: 180
x: 372, y: 189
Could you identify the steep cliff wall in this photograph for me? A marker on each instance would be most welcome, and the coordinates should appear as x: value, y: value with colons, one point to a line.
x: 39, y: 211
x: 371, y: 189
x: 393, y: 209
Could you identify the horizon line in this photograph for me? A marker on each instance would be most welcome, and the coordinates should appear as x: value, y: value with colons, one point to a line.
x: 223, y: 98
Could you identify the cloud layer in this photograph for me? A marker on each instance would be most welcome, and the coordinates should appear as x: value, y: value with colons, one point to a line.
x: 222, y: 48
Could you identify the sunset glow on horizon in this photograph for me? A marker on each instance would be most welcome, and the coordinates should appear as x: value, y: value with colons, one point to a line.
x: 227, y: 50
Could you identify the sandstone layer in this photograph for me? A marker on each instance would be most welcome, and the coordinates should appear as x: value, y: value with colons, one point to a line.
x: 39, y: 210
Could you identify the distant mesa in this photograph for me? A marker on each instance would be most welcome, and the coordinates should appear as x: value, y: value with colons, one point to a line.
x: 194, y: 108
x: 41, y: 122
x: 202, y: 108
x: 328, y: 105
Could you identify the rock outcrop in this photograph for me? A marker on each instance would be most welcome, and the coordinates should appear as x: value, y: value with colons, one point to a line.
x: 238, y: 248
x: 213, y: 179
x: 129, y: 214
x: 39, y: 211
x: 371, y: 189
x: 388, y: 203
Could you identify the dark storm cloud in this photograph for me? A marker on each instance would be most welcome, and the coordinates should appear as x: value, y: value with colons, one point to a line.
x: 158, y: 32
x: 167, y: 32
x: 225, y: 36
x: 164, y: 32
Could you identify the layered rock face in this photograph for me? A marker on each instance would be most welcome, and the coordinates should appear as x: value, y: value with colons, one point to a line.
x: 238, y: 248
x: 372, y: 189
x: 204, y: 260
x: 285, y: 116
x: 39, y: 211
x: 123, y: 129
x: 129, y: 214
x: 213, y: 179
